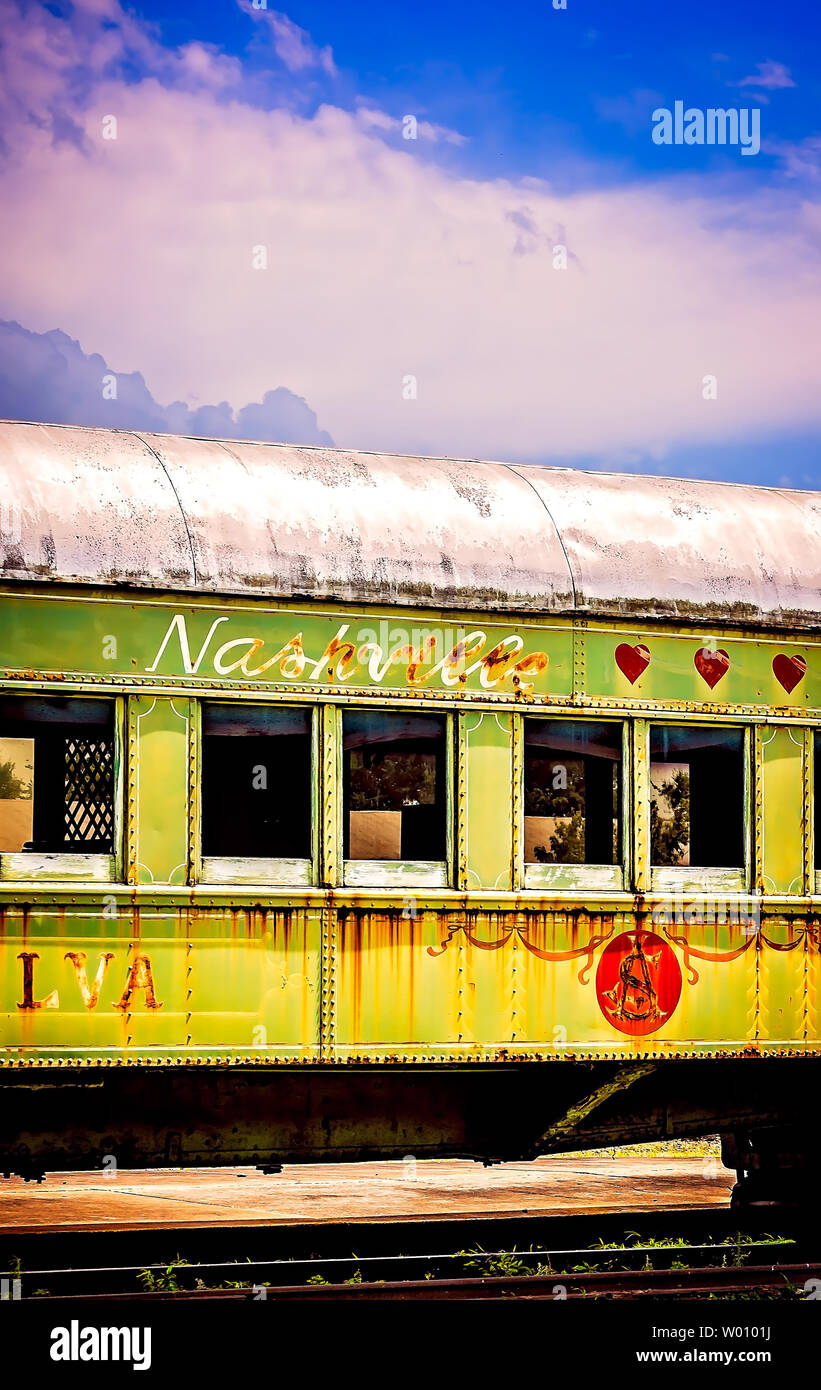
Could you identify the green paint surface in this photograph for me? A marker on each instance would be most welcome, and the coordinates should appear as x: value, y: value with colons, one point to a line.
x: 489, y: 812
x: 672, y: 675
x: 160, y: 783
x: 269, y: 645
x: 280, y: 646
x: 251, y: 979
x: 782, y: 839
x: 232, y: 982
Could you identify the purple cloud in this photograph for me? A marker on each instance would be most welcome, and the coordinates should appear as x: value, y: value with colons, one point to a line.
x: 47, y: 377
x: 770, y: 75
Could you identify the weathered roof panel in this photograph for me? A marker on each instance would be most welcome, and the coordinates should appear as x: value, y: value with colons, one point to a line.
x: 110, y: 507
x: 332, y: 523
x: 686, y: 547
x: 88, y: 506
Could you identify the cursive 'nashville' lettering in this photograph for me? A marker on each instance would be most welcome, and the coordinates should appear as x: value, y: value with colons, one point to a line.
x: 343, y: 658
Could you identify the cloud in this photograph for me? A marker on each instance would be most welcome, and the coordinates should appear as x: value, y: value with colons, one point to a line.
x: 293, y: 46
x: 48, y: 377
x: 296, y: 48
x: 371, y: 118
x: 206, y: 67
x: 50, y: 65
x: 383, y: 264
x: 531, y: 237
x: 799, y: 160
x: 770, y: 76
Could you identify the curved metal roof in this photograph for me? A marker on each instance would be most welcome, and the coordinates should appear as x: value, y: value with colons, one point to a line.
x: 111, y: 507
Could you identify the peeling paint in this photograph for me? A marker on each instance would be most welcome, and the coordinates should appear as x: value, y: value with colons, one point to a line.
x: 292, y: 521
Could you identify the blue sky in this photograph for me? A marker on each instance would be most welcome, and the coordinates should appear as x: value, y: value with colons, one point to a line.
x: 528, y: 84
x: 432, y: 261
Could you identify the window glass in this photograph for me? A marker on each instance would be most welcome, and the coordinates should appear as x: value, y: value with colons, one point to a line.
x: 572, y: 792
x: 256, y: 782
x: 56, y: 776
x: 394, y: 786
x: 697, y: 796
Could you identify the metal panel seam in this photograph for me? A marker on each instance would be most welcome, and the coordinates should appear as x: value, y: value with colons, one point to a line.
x: 512, y: 469
x: 153, y: 451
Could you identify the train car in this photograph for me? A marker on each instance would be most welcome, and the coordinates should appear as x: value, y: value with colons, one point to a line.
x: 361, y: 806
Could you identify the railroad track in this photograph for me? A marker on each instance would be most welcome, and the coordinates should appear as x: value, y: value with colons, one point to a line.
x: 717, y: 1281
x: 635, y: 1264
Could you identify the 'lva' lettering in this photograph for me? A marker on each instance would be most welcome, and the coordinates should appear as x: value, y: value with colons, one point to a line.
x: 139, y: 982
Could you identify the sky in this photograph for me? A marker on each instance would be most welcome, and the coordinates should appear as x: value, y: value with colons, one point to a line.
x: 427, y: 228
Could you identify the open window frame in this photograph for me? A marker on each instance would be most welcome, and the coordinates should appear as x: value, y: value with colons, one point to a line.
x: 689, y: 878
x: 259, y: 871
x: 73, y: 866
x: 403, y: 874
x: 569, y: 877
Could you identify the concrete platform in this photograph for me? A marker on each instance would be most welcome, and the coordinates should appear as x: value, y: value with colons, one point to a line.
x: 368, y: 1192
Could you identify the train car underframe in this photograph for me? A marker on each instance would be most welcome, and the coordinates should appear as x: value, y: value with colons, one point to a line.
x: 83, y: 1118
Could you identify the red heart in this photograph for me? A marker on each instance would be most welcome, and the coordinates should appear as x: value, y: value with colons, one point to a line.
x: 789, y: 670
x: 631, y: 661
x: 711, y: 665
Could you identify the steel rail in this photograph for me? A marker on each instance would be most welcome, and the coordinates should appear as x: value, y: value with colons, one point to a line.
x: 600, y: 1254
x: 667, y: 1283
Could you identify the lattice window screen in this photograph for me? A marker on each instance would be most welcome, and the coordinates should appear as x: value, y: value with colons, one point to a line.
x: 89, y: 794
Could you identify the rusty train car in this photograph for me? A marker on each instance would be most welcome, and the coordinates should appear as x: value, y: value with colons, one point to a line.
x: 356, y: 806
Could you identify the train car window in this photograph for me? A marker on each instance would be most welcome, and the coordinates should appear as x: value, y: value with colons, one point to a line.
x: 395, y: 787
x: 572, y: 792
x: 56, y: 777
x: 696, y: 797
x: 256, y: 782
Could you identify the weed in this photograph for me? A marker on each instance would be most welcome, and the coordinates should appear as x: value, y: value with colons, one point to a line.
x: 164, y: 1280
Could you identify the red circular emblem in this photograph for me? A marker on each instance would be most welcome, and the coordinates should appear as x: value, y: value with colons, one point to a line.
x: 638, y: 982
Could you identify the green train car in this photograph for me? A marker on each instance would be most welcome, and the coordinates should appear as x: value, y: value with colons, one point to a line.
x: 359, y: 806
